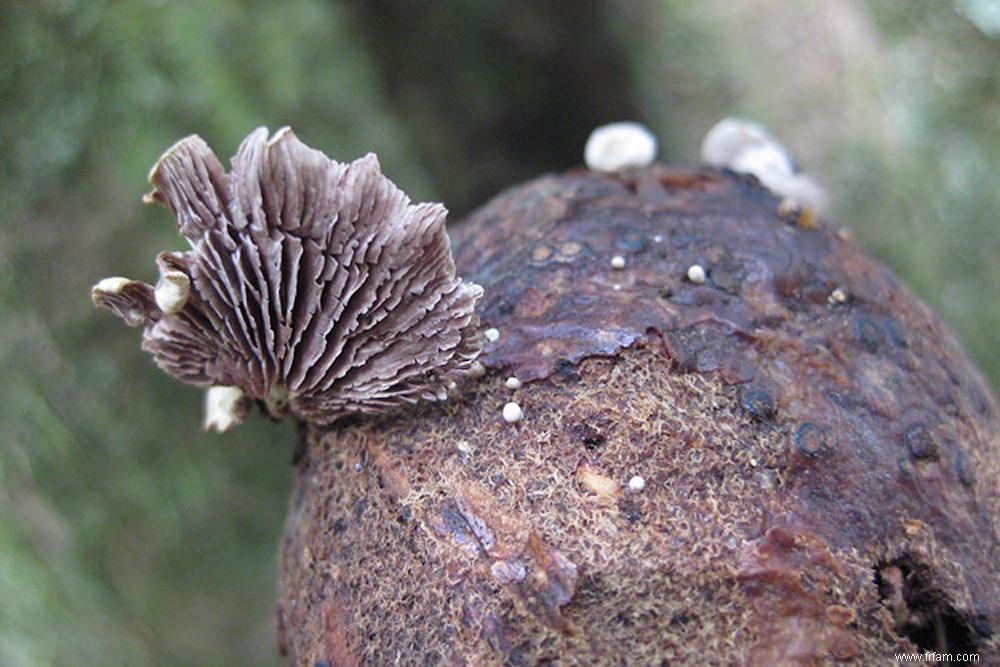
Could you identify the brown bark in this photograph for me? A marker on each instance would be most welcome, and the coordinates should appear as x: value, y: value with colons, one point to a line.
x: 819, y: 459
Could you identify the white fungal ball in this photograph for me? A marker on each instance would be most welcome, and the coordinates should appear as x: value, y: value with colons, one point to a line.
x: 618, y: 146
x: 512, y: 383
x: 476, y: 370
x: 512, y: 412
x: 492, y: 334
x: 617, y: 262
x: 636, y: 484
x: 172, y: 291
x: 223, y: 409
x: 696, y: 274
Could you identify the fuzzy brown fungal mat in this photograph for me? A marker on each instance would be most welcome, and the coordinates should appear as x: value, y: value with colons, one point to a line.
x: 791, y: 463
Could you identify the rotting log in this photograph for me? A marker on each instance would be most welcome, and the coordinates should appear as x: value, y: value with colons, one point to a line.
x: 819, y: 460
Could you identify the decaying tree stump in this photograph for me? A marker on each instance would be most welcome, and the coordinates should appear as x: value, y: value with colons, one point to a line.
x: 741, y: 441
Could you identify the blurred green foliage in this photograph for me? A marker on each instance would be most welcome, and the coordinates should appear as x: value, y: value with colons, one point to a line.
x: 129, y: 537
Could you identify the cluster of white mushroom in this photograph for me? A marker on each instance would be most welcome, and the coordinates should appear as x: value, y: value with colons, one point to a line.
x: 748, y: 148
x: 742, y: 146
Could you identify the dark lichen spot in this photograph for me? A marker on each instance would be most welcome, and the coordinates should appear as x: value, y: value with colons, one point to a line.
x: 569, y: 250
x: 896, y: 333
x: 698, y: 348
x: 728, y: 275
x: 630, y: 509
x: 588, y: 435
x: 633, y: 239
x: 906, y: 468
x: 359, y: 508
x: 757, y: 403
x: 981, y: 625
x: 565, y: 370
x: 920, y: 442
x: 405, y: 513
x: 814, y: 440
x: 868, y: 333
x: 965, y: 468
x: 541, y: 254
x: 505, y: 307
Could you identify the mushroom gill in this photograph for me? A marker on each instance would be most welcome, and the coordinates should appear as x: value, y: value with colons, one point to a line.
x: 315, y: 287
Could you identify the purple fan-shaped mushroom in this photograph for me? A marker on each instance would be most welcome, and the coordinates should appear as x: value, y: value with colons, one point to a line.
x: 313, y: 286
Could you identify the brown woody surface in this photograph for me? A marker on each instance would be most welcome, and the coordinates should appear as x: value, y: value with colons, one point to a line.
x: 821, y: 480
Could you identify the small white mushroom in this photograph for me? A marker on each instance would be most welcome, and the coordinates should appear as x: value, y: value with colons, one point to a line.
x: 225, y: 407
x: 476, y: 370
x: 619, y: 146
x: 730, y: 137
x: 512, y: 383
x: 131, y: 300
x: 768, y: 162
x: 749, y: 148
x: 636, y: 484
x: 112, y: 285
x: 172, y: 290
x: 696, y: 274
x: 618, y: 262
x: 512, y: 412
x: 492, y: 334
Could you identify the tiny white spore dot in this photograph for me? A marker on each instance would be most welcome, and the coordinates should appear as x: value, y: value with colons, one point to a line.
x: 657, y: 238
x: 618, y: 146
x: 617, y: 262
x: 838, y: 295
x: 696, y: 274
x: 512, y: 383
x: 492, y: 334
x: 617, y: 287
x: 512, y: 412
x: 636, y: 484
